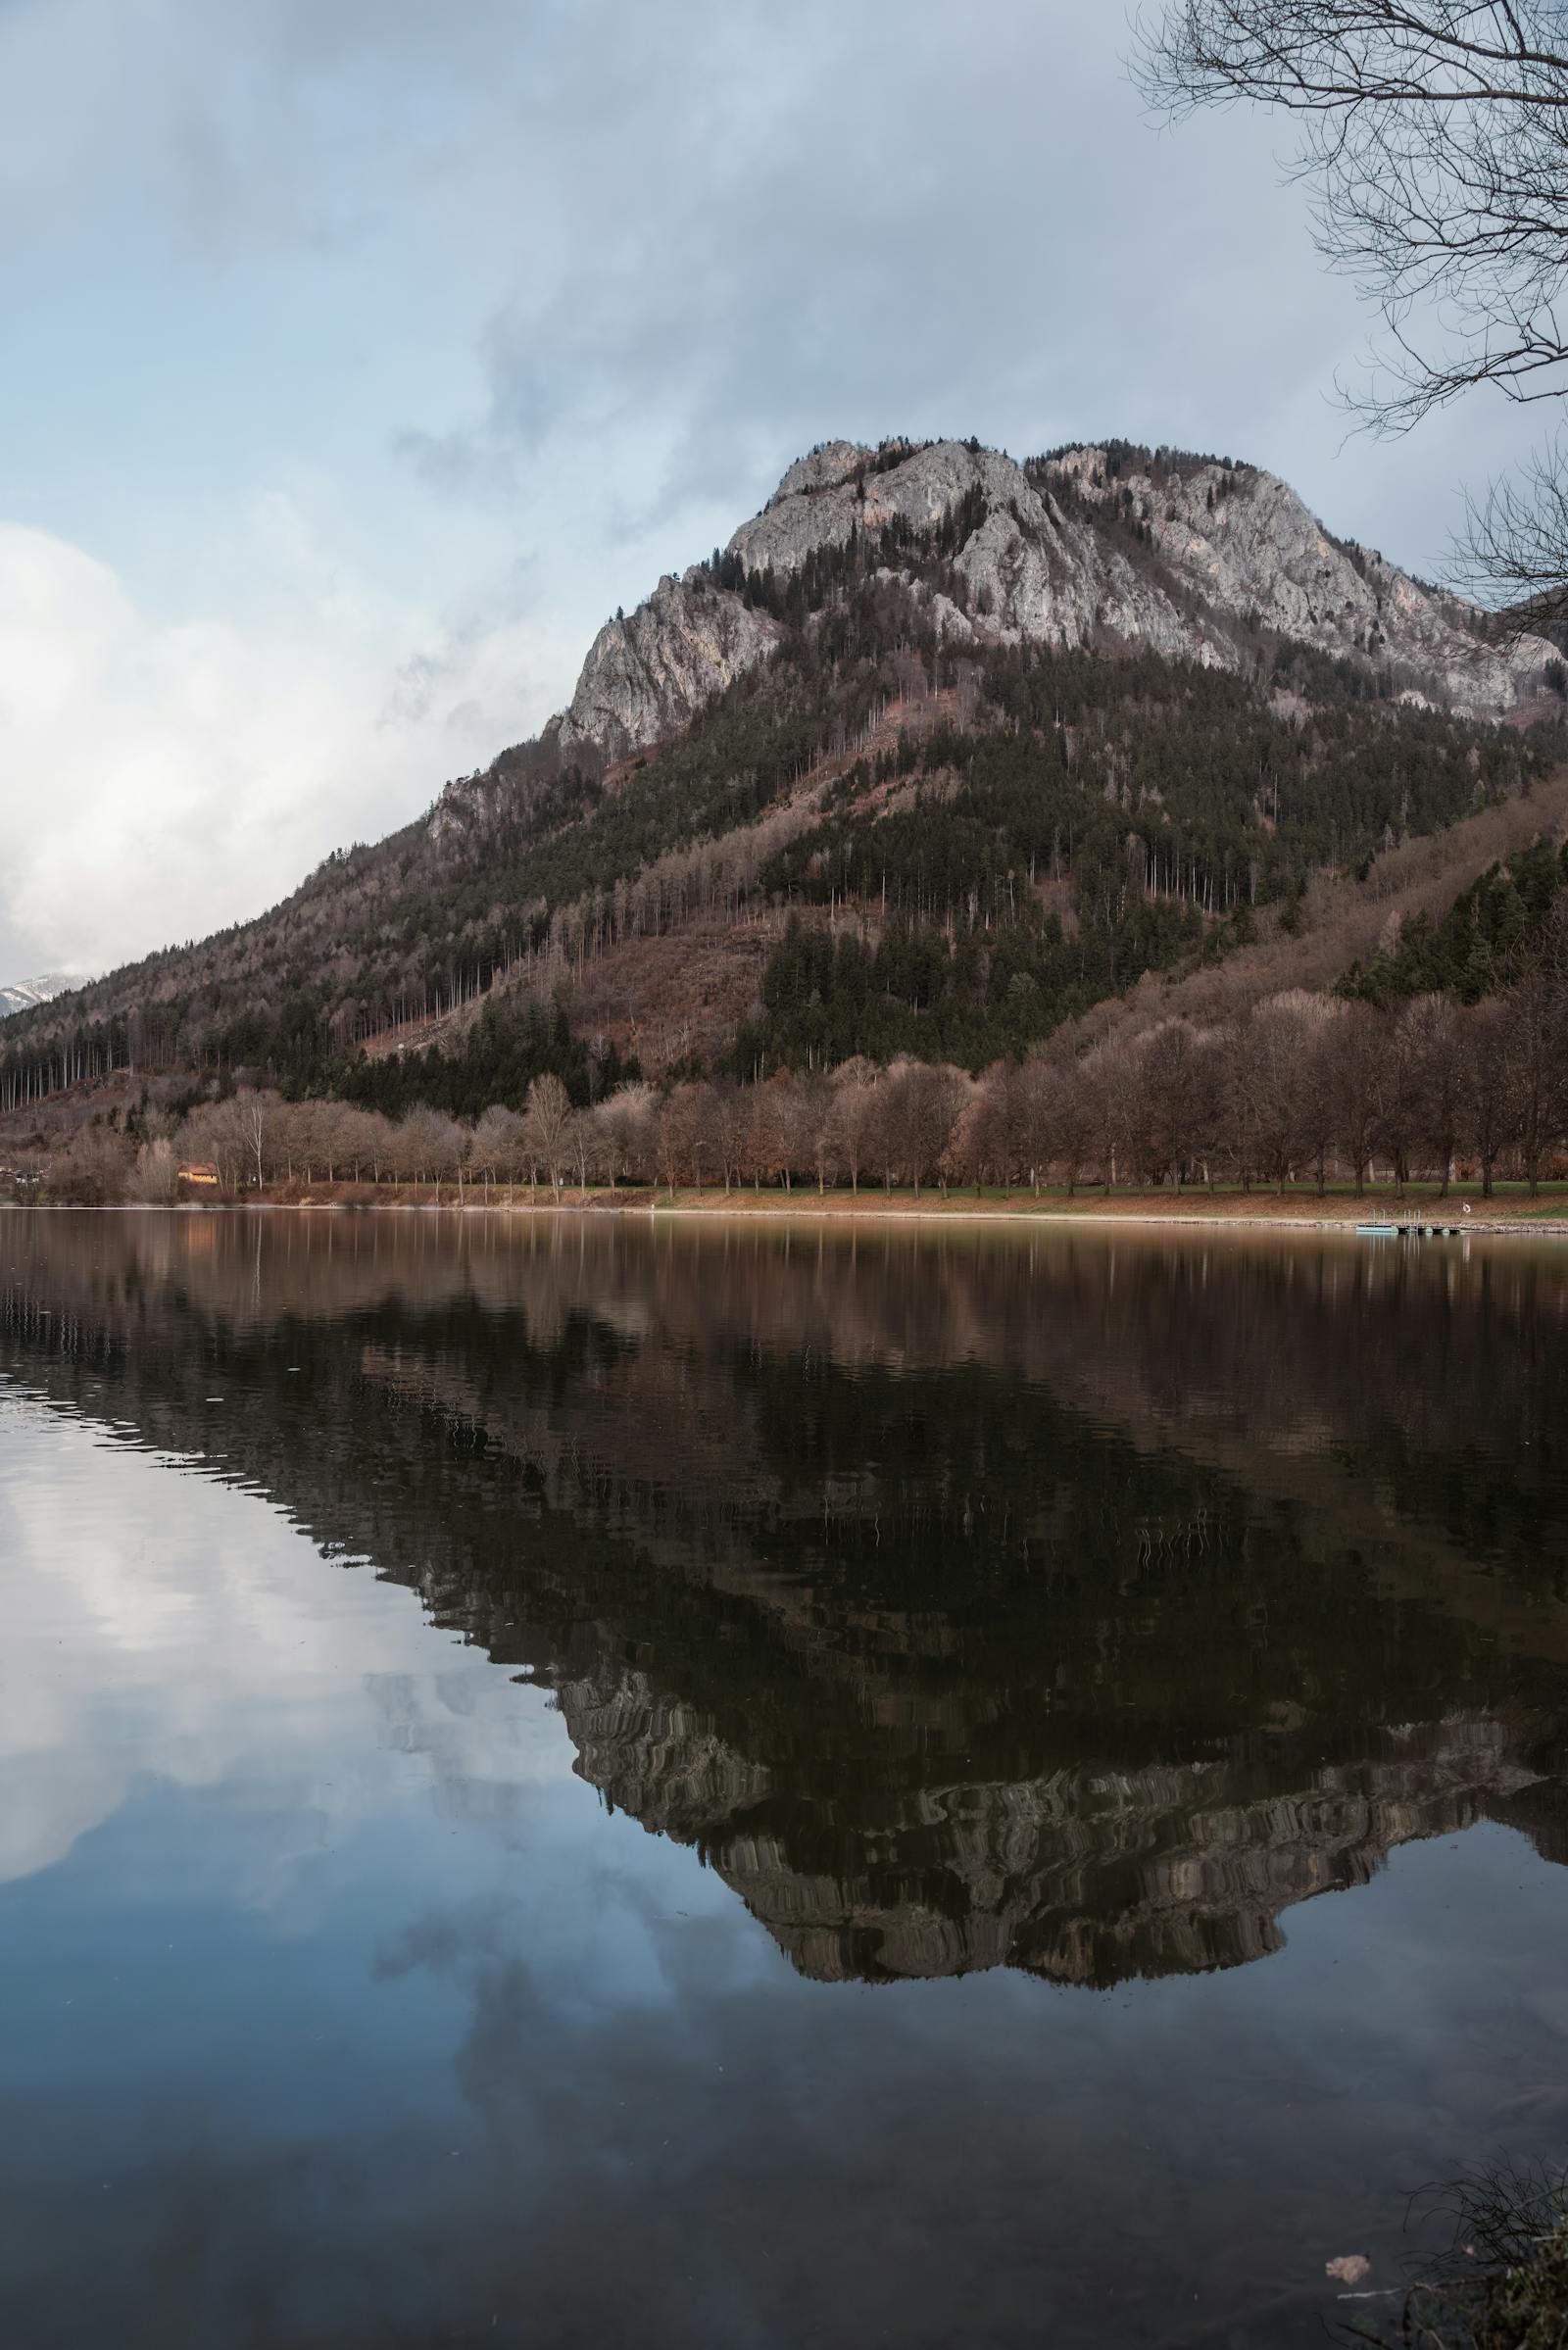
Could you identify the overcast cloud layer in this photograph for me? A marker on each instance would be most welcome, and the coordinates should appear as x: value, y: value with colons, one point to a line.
x: 361, y: 358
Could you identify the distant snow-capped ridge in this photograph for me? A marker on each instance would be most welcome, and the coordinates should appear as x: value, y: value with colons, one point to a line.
x: 25, y: 993
x: 1096, y: 546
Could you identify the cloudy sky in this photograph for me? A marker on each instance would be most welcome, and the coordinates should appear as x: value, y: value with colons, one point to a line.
x: 363, y: 355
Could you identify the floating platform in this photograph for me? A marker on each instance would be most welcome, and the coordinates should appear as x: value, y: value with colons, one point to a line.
x: 1409, y: 1232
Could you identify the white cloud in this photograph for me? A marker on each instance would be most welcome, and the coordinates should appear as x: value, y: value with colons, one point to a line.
x: 591, y: 276
x: 160, y: 776
x: 195, y: 1640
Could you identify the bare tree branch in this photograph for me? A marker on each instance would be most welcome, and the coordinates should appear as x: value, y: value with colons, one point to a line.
x: 1513, y: 549
x: 1433, y: 137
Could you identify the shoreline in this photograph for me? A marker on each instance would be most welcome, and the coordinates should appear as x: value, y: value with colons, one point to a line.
x: 1148, y: 1211
x: 1149, y: 1218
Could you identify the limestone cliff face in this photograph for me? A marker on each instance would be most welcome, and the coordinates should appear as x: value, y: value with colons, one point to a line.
x: 649, y: 675
x: 1228, y: 548
x: 1077, y: 551
x: 1243, y: 544
x: 823, y: 498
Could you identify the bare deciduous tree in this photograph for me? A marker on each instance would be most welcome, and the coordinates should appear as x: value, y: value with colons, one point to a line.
x: 688, y: 1141
x: 1431, y: 1045
x: 1361, y: 1053
x: 427, y: 1146
x: 254, y: 1111
x: 547, y: 1117
x: 849, y: 1116
x: 493, y: 1154
x: 1433, y: 137
x: 155, y: 1178
x: 1488, y: 1116
x: 1535, y: 1031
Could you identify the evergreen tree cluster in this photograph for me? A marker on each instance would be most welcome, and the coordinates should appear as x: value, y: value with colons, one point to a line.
x: 968, y: 998
x: 510, y: 1045
x: 1476, y: 947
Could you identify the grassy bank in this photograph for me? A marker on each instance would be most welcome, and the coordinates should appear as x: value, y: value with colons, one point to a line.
x: 1512, y: 1208
x: 1295, y: 1207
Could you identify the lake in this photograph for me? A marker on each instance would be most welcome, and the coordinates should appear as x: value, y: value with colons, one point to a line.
x: 589, y: 1779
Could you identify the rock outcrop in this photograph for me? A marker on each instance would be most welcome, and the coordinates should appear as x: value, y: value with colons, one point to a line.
x: 1240, y: 543
x: 1185, y: 558
x: 648, y: 675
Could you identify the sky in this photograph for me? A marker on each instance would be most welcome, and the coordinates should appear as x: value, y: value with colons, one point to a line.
x: 362, y: 356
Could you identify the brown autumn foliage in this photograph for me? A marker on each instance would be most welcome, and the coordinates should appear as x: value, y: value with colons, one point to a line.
x: 1300, y: 1087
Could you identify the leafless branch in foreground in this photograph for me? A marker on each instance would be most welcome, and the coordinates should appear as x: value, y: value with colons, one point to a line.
x: 1433, y: 137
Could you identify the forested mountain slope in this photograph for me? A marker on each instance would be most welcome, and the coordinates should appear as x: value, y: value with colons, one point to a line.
x: 1015, y: 735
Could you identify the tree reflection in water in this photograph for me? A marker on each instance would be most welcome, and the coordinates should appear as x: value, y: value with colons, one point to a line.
x: 1073, y: 1604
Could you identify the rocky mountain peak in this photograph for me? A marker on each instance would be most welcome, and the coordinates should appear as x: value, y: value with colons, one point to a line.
x: 1098, y: 547
x: 23, y: 994
x: 822, y: 468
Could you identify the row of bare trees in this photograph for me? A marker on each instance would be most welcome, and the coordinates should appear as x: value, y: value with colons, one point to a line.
x: 256, y: 1140
x: 1302, y: 1088
x: 1305, y: 1087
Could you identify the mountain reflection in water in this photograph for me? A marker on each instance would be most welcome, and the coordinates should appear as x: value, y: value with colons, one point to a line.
x: 1074, y: 1603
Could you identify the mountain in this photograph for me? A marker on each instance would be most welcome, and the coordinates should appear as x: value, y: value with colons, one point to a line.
x: 28, y: 993
x: 1090, y: 547
x: 1014, y: 734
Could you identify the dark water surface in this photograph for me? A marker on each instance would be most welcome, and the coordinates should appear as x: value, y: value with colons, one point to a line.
x: 567, y: 1782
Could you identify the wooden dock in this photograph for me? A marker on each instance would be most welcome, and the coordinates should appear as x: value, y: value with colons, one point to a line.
x: 1409, y: 1232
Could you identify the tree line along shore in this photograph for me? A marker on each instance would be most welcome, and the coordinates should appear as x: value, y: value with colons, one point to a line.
x: 1303, y: 1096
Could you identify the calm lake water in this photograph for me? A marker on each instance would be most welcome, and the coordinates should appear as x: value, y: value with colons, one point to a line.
x: 568, y: 1783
